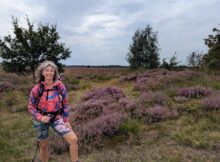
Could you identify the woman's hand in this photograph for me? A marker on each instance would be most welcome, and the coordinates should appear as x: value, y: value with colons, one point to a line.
x: 45, y: 119
x: 68, y: 125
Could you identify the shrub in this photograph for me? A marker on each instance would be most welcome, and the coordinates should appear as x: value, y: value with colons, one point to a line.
x: 130, y: 126
x: 99, y: 114
x: 211, y: 102
x: 103, y: 93
x: 155, y: 79
x: 57, y: 145
x: 156, y: 113
x: 106, y: 125
x: 151, y: 98
x: 102, y: 101
x: 15, y: 101
x: 194, y: 92
x: 6, y: 86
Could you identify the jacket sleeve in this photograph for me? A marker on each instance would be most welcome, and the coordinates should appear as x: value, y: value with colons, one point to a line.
x: 65, y: 103
x: 32, y: 104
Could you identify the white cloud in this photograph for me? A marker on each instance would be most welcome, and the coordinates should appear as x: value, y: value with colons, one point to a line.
x: 18, y: 9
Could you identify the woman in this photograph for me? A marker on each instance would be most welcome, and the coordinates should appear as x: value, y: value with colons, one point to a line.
x: 48, y: 105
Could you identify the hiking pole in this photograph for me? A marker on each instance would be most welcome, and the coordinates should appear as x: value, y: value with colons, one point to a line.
x: 38, y: 142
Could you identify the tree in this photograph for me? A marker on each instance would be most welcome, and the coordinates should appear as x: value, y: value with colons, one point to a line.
x: 172, y: 64
x: 144, y: 51
x: 23, y: 53
x: 195, y: 59
x: 212, y: 58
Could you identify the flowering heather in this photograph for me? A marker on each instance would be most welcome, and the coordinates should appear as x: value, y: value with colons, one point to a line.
x: 57, y: 145
x: 100, y: 113
x: 155, y: 79
x: 151, y: 98
x: 102, y: 101
x: 103, y: 93
x: 106, y: 125
x: 6, y: 86
x: 156, y: 113
x: 145, y: 84
x: 211, y: 102
x: 127, y: 105
x: 193, y: 92
x: 89, y: 110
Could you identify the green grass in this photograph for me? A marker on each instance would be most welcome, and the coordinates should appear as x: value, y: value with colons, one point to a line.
x: 198, y: 132
x: 16, y: 136
x: 130, y: 126
x: 14, y: 101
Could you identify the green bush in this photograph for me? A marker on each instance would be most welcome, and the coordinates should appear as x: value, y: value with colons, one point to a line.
x: 130, y: 126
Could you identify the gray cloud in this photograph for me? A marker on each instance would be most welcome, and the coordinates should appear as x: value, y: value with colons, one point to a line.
x: 100, y: 32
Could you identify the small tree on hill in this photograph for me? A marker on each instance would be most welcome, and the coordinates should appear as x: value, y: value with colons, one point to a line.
x: 23, y: 53
x: 172, y: 64
x: 212, y: 58
x: 144, y: 51
x: 195, y: 59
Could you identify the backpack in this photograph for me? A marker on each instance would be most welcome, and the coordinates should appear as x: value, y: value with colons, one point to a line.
x: 42, y: 90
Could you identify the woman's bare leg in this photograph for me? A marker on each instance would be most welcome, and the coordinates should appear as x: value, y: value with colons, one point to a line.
x: 72, y: 140
x: 44, y: 150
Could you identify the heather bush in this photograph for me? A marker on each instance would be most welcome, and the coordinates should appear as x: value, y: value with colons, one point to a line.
x: 89, y: 110
x: 102, y: 101
x: 57, y: 145
x: 103, y: 93
x: 6, y: 86
x: 100, y: 114
x: 92, y: 133
x: 156, y: 113
x: 145, y: 84
x: 15, y: 101
x: 194, y: 92
x: 212, y: 102
x: 152, y: 98
x: 156, y: 79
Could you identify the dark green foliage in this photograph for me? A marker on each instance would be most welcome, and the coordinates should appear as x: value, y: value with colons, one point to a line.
x: 23, y: 53
x: 212, y: 59
x: 172, y: 64
x: 144, y: 50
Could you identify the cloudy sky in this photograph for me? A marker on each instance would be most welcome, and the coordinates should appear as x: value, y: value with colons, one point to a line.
x: 99, y: 32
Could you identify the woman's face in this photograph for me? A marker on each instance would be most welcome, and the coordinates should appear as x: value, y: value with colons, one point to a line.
x: 48, y: 73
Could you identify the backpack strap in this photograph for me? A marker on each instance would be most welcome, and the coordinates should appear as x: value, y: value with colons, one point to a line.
x: 59, y: 92
x: 41, y: 91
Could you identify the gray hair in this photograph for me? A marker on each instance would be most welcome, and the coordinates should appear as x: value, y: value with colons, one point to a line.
x: 44, y: 65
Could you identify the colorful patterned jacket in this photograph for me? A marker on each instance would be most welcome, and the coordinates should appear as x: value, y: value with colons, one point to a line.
x: 50, y: 103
